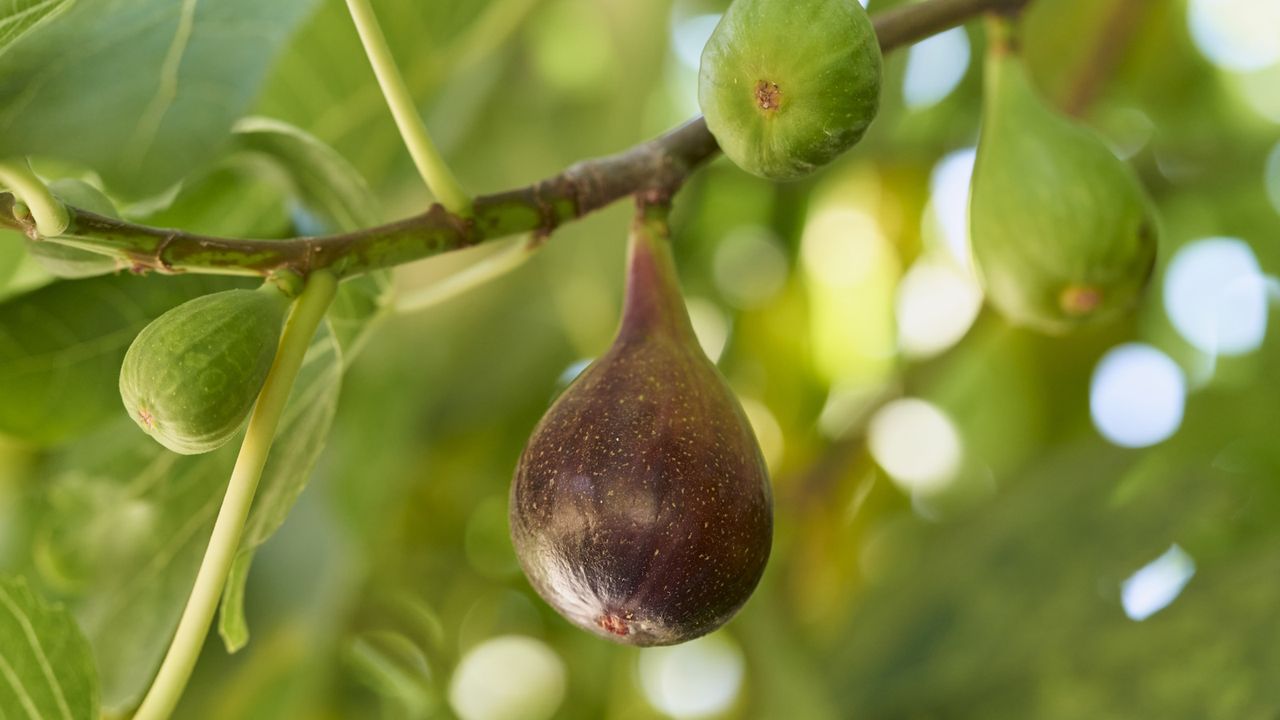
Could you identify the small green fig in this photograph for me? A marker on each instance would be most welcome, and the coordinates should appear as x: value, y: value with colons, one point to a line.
x: 69, y: 262
x: 641, y: 507
x: 788, y: 85
x: 1062, y: 234
x: 191, y: 377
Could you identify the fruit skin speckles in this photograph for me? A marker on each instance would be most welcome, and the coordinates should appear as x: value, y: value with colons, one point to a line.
x: 641, y: 508
x: 788, y: 85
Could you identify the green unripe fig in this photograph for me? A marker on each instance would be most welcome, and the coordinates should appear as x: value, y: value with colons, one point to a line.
x: 788, y: 85
x: 69, y: 262
x: 1062, y: 234
x: 641, y: 508
x: 191, y: 377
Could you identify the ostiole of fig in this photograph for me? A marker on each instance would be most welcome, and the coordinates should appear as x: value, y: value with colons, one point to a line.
x: 787, y: 86
x: 641, y: 508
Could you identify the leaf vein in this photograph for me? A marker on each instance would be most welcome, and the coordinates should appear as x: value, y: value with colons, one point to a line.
x: 45, y: 668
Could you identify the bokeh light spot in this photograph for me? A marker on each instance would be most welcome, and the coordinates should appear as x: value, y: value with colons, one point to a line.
x: 937, y: 304
x: 572, y: 49
x: 850, y: 264
x: 1237, y: 35
x: 1156, y: 584
x: 1261, y: 92
x: 710, y: 325
x: 570, y: 374
x: 508, y: 678
x: 949, y: 201
x: 690, y: 35
x: 768, y: 431
x: 842, y: 245
x: 935, y: 67
x: 1216, y: 297
x: 750, y: 266
x: 917, y: 444
x: 693, y: 680
x: 1137, y: 396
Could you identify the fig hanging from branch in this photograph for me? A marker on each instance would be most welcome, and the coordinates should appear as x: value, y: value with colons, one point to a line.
x: 641, y: 508
x: 1062, y: 233
x: 788, y: 85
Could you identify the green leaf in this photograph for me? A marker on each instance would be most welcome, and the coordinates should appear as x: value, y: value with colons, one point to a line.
x: 331, y: 197
x: 239, y: 197
x: 360, y: 302
x: 126, y: 523
x: 232, y: 625
x: 11, y: 256
x: 396, y: 669
x: 303, y: 429
x: 61, y: 347
x: 142, y: 91
x: 22, y: 16
x: 313, y: 402
x: 320, y: 179
x: 123, y: 528
x: 46, y: 669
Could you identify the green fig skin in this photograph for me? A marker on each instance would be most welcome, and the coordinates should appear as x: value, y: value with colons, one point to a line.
x: 641, y: 508
x: 1061, y: 232
x: 788, y: 85
x: 192, y: 376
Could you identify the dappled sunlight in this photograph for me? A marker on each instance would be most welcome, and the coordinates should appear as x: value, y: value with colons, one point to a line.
x: 935, y: 67
x: 937, y: 303
x: 1261, y: 91
x: 689, y: 34
x: 710, y: 324
x: 916, y: 444
x: 694, y: 680
x: 1237, y: 35
x: 768, y: 431
x: 571, y: 373
x: 849, y: 264
x: 1137, y: 396
x: 1157, y: 584
x: 1215, y: 295
x: 948, y: 208
x: 508, y: 678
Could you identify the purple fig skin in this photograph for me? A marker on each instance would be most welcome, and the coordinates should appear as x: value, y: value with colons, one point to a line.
x: 641, y: 508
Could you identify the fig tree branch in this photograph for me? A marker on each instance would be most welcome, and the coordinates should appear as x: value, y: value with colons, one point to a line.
x: 657, y: 168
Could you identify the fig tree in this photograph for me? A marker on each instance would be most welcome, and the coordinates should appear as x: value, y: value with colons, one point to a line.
x: 641, y: 507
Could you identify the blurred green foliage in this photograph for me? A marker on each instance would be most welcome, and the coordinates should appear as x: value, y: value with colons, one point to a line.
x: 1001, y: 597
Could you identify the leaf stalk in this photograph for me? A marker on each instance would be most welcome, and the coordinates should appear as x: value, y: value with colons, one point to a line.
x: 197, y: 616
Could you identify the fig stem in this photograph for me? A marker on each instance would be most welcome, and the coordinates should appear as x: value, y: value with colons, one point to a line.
x: 662, y: 164
x: 653, y: 298
x: 431, y: 165
x: 197, y: 616
x: 1002, y: 35
x: 49, y: 213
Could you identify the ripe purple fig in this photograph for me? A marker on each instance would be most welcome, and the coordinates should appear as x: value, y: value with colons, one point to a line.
x: 641, y: 508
